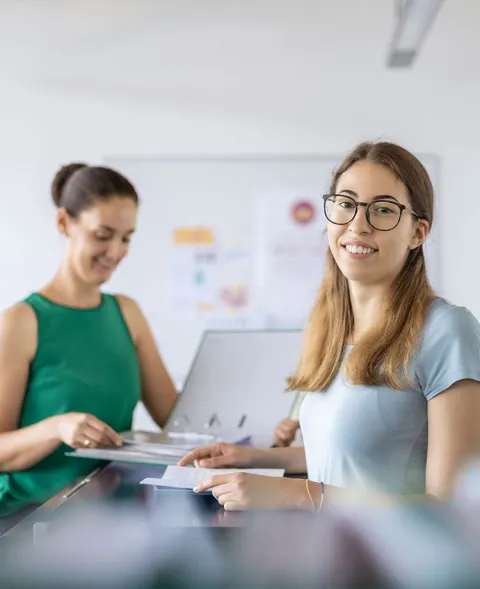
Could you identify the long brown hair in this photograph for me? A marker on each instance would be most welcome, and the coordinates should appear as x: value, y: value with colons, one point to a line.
x: 381, y: 356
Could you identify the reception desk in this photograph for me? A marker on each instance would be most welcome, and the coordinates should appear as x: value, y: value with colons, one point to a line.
x: 116, y: 484
x: 111, y: 531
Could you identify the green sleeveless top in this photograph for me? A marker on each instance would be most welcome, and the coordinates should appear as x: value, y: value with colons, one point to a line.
x: 86, y: 361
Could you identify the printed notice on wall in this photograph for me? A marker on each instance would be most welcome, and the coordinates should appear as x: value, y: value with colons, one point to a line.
x: 212, y: 279
x: 194, y: 271
x: 291, y: 247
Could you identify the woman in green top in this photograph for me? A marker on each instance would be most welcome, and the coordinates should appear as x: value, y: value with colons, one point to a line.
x: 74, y: 362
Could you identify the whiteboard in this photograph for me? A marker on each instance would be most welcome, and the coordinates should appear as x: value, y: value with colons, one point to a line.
x: 220, y: 193
x: 236, y: 385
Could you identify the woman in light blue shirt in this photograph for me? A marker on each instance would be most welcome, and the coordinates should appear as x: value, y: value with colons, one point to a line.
x: 391, y: 371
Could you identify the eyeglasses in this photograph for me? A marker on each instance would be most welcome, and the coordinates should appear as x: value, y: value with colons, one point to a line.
x: 383, y: 215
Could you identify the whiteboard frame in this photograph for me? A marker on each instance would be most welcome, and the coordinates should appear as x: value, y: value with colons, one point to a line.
x: 432, y: 161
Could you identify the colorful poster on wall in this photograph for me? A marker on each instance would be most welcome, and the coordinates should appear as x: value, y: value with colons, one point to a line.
x: 194, y: 271
x: 291, y: 245
x: 211, y: 281
x: 235, y: 295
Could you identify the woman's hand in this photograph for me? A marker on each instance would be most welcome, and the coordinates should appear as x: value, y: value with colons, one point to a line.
x: 82, y: 430
x: 240, y: 491
x: 285, y: 432
x: 221, y: 455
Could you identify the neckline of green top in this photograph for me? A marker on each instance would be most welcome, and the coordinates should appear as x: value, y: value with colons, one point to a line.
x: 68, y: 308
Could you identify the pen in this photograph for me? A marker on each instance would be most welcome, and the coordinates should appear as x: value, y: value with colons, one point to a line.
x: 242, y: 421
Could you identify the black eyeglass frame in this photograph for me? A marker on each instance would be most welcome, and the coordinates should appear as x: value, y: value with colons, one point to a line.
x: 367, y: 210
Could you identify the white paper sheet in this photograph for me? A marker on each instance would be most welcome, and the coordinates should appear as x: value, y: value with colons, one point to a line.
x: 134, y: 452
x: 186, y: 477
x: 153, y: 449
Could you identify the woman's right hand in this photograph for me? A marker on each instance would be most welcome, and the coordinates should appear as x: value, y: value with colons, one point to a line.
x: 82, y: 430
x: 285, y: 432
x: 221, y: 455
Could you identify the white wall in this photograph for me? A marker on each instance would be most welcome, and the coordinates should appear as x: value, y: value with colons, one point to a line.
x: 82, y: 80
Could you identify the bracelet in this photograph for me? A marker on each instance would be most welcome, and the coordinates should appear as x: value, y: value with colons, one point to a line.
x: 311, y: 498
x: 321, y: 497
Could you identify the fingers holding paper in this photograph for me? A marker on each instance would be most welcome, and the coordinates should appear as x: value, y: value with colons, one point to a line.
x: 241, y: 491
x: 83, y: 430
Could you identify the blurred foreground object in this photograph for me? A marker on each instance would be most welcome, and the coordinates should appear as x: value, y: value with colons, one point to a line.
x: 169, y: 545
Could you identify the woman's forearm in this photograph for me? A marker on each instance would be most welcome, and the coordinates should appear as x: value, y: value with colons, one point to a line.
x: 22, y: 448
x: 291, y: 459
x: 342, y: 497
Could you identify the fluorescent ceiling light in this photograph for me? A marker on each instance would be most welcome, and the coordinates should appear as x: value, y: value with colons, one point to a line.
x: 414, y: 20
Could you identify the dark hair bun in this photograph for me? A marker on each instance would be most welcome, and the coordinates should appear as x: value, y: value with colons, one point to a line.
x: 61, y: 178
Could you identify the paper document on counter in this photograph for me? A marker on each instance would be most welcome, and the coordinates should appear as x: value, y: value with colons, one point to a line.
x: 134, y: 452
x: 186, y: 477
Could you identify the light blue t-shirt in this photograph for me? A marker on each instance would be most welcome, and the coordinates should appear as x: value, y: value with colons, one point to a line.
x: 375, y: 438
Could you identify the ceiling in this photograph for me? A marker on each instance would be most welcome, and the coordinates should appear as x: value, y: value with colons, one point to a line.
x: 246, y: 60
x: 154, y: 44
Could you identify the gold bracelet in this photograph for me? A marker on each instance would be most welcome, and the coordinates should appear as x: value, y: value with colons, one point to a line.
x: 311, y: 498
x: 321, y: 497
x: 310, y: 495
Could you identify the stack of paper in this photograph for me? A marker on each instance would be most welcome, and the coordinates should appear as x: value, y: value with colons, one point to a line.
x: 177, y: 439
x: 186, y: 477
x: 148, y: 448
x: 146, y: 453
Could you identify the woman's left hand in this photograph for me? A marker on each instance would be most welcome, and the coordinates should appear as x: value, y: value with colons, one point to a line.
x: 240, y: 491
